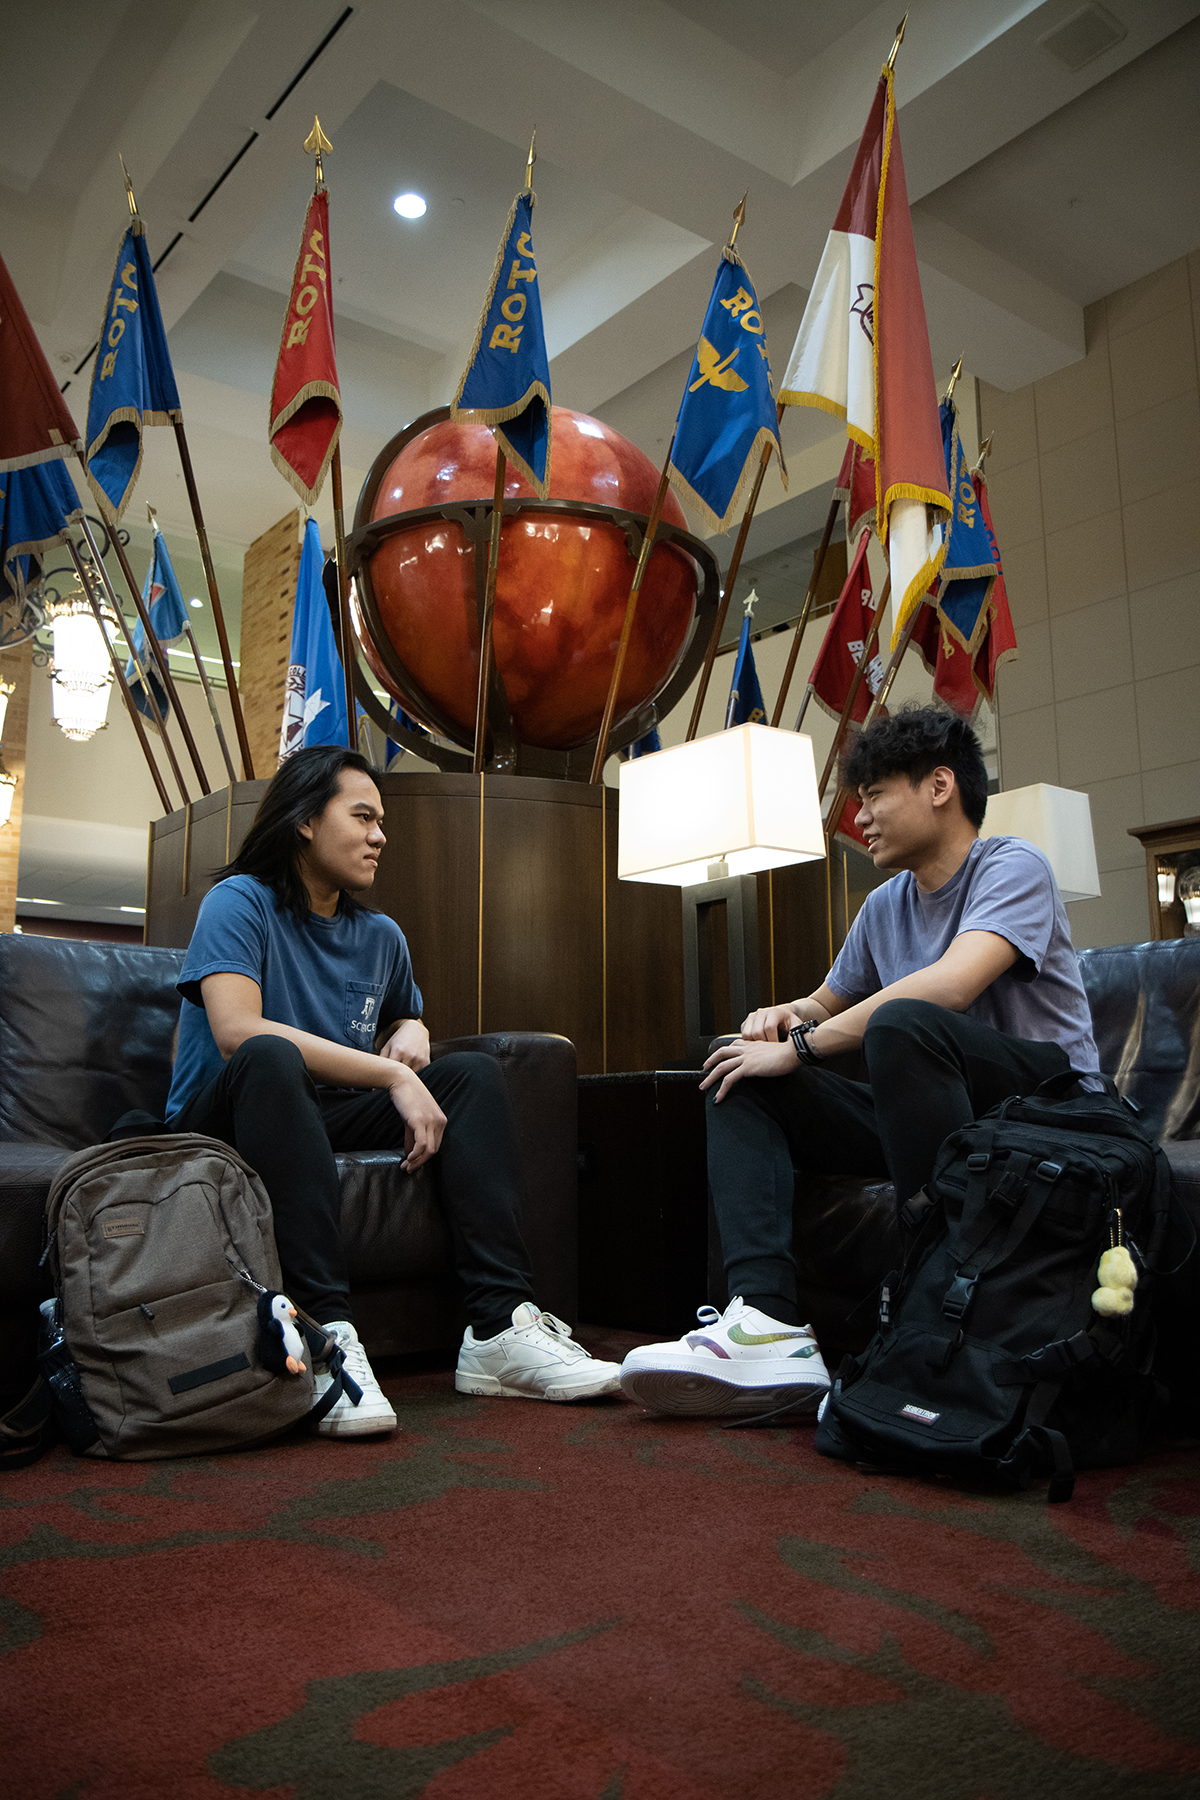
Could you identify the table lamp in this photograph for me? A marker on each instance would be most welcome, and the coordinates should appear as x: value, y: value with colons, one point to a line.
x: 707, y: 817
x: 1059, y: 822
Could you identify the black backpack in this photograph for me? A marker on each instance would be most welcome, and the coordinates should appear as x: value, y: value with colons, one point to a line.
x: 989, y: 1361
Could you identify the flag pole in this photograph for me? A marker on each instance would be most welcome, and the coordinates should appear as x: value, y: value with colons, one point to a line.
x: 156, y: 648
x: 873, y: 711
x: 856, y: 683
x: 194, y: 499
x: 149, y: 637
x: 805, y: 612
x: 156, y: 712
x: 210, y: 576
x: 735, y: 563
x: 489, y: 609
x: 493, y: 565
x: 208, y: 694
x: 118, y: 671
x: 343, y: 580
x: 316, y: 143
x: 610, y: 703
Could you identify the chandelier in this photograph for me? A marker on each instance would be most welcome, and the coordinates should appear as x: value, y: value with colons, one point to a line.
x: 81, y: 667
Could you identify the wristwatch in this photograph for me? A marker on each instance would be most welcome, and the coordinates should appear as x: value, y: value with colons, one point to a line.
x: 801, y: 1036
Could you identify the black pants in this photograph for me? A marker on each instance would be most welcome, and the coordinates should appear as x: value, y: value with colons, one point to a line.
x: 929, y: 1070
x: 266, y: 1105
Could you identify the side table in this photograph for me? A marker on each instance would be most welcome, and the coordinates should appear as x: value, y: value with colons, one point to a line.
x: 643, y: 1200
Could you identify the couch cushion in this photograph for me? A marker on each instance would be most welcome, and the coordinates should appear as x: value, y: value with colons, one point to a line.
x: 86, y: 1034
x: 1145, y: 1001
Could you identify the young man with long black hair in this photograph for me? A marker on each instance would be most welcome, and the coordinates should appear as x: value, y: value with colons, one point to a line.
x: 957, y: 985
x: 301, y: 1034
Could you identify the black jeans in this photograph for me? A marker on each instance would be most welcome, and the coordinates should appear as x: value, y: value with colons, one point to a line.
x: 929, y: 1070
x: 266, y: 1105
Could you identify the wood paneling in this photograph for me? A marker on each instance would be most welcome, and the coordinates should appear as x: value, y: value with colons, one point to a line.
x: 271, y: 566
x: 15, y: 666
x: 551, y: 924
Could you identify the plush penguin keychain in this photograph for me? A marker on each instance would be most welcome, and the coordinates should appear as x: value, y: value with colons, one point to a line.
x: 1117, y: 1276
x: 280, y: 1346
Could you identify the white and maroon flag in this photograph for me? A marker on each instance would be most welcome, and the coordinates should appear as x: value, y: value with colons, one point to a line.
x: 862, y: 354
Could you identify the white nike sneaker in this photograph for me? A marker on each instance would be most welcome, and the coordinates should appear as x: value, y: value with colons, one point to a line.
x: 344, y: 1419
x: 738, y: 1363
x: 537, y: 1359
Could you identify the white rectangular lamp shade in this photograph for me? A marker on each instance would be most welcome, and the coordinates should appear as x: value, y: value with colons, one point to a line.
x: 1059, y: 821
x: 748, y: 795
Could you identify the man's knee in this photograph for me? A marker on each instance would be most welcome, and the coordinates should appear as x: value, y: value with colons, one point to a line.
x: 267, y: 1058
x: 900, y: 1022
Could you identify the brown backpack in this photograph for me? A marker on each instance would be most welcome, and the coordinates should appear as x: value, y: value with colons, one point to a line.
x: 160, y: 1249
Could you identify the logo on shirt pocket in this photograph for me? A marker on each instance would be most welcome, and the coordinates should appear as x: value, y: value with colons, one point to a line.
x: 363, y: 999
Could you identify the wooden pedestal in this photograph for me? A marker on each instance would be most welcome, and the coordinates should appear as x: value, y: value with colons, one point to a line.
x: 506, y: 889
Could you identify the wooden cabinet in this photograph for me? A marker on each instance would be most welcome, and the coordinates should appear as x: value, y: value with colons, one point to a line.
x: 1170, y: 849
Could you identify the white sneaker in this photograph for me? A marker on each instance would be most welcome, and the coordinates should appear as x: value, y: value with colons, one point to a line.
x: 537, y: 1359
x: 738, y: 1363
x: 344, y: 1418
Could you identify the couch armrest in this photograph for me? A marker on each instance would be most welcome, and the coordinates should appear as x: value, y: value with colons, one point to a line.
x: 540, y: 1072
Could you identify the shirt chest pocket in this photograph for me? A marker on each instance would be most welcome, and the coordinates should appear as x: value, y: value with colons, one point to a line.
x: 362, y: 1021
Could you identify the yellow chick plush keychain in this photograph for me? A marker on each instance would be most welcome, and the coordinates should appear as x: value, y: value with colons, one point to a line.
x: 1117, y: 1276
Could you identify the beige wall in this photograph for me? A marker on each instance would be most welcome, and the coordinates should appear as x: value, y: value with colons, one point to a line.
x: 1095, y: 487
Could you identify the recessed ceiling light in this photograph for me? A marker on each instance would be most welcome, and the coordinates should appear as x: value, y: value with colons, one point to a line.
x: 409, y: 206
x: 196, y: 603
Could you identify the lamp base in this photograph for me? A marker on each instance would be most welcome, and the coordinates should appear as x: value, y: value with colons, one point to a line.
x: 720, y: 959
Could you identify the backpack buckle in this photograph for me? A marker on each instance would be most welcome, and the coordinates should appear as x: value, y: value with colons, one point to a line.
x: 959, y: 1295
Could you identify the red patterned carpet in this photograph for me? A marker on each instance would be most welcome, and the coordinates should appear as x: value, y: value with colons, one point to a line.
x: 584, y: 1603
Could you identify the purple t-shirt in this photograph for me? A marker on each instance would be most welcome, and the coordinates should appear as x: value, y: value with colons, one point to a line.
x: 1006, y: 886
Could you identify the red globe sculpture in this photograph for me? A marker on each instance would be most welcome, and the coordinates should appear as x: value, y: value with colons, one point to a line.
x: 562, y: 583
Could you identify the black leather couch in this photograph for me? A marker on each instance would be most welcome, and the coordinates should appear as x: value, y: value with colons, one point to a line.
x: 87, y: 1034
x: 1145, y: 1003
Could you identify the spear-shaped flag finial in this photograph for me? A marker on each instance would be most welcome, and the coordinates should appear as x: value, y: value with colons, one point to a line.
x: 739, y: 218
x: 129, y: 195
x: 955, y: 372
x: 530, y: 160
x: 318, y: 145
x: 891, y: 61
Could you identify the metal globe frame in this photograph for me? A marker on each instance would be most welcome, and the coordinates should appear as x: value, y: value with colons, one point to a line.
x: 508, y: 755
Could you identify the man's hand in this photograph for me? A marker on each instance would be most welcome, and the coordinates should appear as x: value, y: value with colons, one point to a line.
x: 732, y: 1062
x: 770, y: 1023
x: 424, y: 1120
x: 408, y: 1044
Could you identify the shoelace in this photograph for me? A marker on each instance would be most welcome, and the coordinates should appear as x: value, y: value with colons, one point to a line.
x: 559, y: 1328
x: 357, y: 1366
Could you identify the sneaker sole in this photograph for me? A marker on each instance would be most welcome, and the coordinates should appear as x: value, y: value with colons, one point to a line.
x: 489, y: 1387
x: 352, y: 1427
x: 698, y: 1393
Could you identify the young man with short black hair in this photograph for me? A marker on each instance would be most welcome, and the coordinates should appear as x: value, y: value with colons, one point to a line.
x: 958, y: 985
x: 301, y: 1034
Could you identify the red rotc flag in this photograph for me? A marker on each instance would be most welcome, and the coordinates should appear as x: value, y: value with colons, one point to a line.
x: 856, y: 486
x: 306, y: 404
x: 35, y: 425
x: 961, y: 679
x: 837, y: 659
x: 862, y: 353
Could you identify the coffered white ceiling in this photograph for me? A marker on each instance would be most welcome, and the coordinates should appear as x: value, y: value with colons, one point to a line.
x: 1036, y: 188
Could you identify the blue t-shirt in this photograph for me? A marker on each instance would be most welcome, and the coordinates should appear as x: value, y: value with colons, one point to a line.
x: 1006, y: 886
x: 339, y: 978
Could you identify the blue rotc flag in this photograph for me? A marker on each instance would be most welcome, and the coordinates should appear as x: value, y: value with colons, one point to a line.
x: 970, y: 569
x: 168, y: 617
x: 728, y: 409
x: 745, y: 696
x: 314, y: 700
x: 36, y: 506
x: 506, y: 383
x: 133, y: 384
